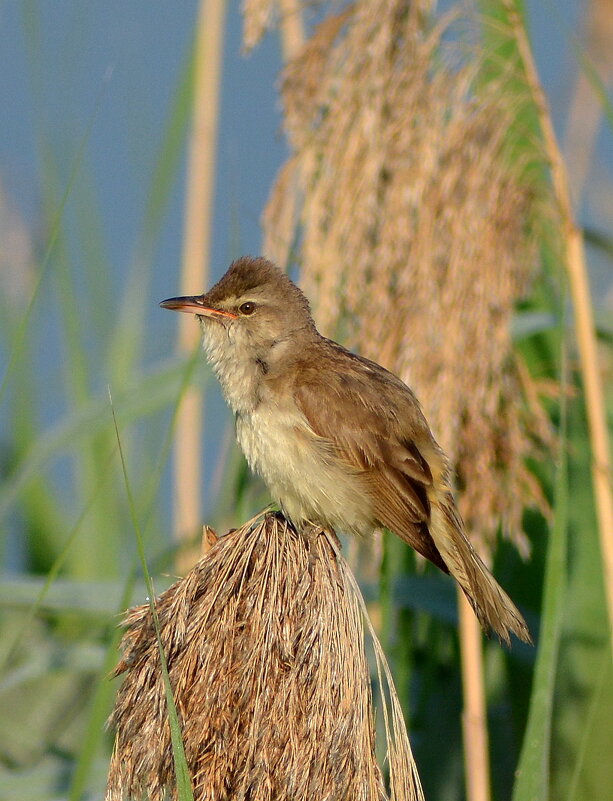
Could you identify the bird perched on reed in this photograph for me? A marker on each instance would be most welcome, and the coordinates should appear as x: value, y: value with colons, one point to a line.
x: 340, y: 441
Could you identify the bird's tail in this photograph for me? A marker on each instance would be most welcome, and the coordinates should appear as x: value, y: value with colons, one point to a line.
x: 493, y: 607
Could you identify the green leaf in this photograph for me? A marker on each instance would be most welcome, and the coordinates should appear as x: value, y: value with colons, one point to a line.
x: 16, y: 346
x: 124, y: 346
x: 183, y: 778
x: 147, y: 393
x: 88, y: 599
x: 533, y: 773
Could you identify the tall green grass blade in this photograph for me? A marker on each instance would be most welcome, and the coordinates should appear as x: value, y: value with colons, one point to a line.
x: 585, y: 642
x: 59, y: 562
x: 94, y: 555
x: 533, y: 774
x: 126, y: 341
x: 148, y: 394
x: 101, y: 702
x: 41, y: 515
x: 582, y: 752
x: 183, y: 779
x: 23, y: 327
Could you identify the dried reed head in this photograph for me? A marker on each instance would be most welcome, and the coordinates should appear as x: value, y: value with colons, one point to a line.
x: 265, y: 652
x: 257, y: 17
x: 415, y: 236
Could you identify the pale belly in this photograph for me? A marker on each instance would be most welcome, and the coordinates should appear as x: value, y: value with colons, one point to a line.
x: 300, y: 472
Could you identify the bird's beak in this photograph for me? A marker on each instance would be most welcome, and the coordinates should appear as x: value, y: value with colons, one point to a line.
x: 194, y: 304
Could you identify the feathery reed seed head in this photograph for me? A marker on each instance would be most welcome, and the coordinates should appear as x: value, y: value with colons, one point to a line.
x: 265, y: 652
x: 415, y: 236
x: 257, y: 17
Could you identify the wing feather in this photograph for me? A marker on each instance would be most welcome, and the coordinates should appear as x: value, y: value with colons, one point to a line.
x: 373, y: 423
x: 395, y: 473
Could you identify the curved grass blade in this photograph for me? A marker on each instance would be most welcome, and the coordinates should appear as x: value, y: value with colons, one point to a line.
x: 101, y: 702
x: 533, y: 775
x: 58, y: 563
x: 184, y: 784
x: 147, y: 394
x: 22, y: 328
x: 582, y: 751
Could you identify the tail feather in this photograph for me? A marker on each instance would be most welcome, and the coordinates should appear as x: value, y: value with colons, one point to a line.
x: 493, y: 607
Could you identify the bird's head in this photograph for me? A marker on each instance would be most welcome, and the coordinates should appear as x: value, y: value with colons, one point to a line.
x: 251, y: 310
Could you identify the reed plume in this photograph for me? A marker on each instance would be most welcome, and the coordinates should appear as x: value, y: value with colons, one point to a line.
x: 415, y: 244
x: 258, y: 16
x: 412, y: 218
x: 265, y: 648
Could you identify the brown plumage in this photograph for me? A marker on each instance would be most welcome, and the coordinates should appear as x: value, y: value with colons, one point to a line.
x: 340, y: 441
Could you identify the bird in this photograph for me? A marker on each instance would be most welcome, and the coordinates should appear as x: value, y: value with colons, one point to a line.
x: 341, y: 442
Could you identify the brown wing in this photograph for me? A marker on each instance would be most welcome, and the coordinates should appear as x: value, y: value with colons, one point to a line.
x: 372, y: 422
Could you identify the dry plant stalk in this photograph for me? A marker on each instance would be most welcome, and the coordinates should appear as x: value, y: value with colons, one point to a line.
x: 474, y: 714
x: 265, y: 648
x: 292, y: 29
x: 414, y: 236
x: 195, y: 269
x: 260, y: 15
x: 574, y: 259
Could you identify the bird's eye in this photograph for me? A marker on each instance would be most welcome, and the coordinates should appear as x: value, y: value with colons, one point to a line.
x: 247, y: 308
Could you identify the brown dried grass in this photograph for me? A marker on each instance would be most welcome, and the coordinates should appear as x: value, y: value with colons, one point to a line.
x: 258, y: 16
x: 261, y: 15
x: 265, y: 648
x: 415, y: 236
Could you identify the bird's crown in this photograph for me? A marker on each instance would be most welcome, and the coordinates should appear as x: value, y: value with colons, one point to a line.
x: 259, y: 275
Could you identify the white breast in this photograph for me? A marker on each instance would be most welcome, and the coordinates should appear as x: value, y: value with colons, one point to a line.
x: 298, y: 467
x: 299, y: 470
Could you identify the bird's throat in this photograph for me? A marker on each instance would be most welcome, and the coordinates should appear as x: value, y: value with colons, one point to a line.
x: 239, y: 371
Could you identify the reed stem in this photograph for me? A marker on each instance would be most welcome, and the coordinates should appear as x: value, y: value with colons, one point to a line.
x: 574, y: 259
x: 474, y: 715
x: 196, y: 255
x: 292, y: 28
